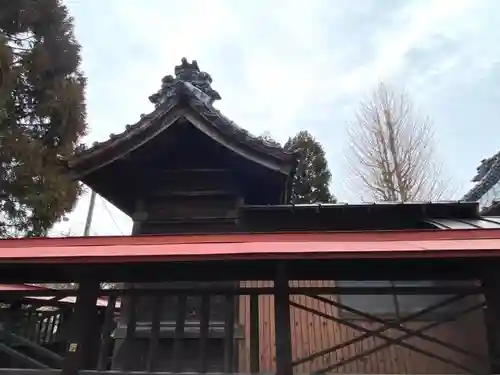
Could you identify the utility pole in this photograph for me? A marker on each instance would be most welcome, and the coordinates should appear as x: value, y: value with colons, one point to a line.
x: 90, y: 213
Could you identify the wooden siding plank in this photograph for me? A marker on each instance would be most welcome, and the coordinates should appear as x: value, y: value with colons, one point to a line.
x: 312, y: 334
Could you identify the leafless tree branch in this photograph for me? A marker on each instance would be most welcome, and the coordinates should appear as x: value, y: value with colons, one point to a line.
x: 391, y: 153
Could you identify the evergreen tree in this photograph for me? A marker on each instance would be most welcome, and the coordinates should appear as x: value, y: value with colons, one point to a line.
x: 312, y: 178
x: 42, y: 114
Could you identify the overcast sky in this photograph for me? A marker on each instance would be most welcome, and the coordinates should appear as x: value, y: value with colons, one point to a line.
x: 282, y: 66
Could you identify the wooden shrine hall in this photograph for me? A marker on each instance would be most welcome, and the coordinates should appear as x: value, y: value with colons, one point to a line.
x: 222, y: 274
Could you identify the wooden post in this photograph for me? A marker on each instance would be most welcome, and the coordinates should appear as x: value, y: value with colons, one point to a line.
x: 180, y: 322
x: 282, y: 323
x: 204, y: 331
x: 138, y: 217
x: 83, y: 327
x: 491, y: 285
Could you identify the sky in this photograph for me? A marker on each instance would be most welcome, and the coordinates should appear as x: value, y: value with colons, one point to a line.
x: 286, y: 65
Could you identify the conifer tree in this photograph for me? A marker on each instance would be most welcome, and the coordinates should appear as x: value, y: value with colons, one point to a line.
x: 42, y: 114
x: 312, y: 178
x: 311, y: 183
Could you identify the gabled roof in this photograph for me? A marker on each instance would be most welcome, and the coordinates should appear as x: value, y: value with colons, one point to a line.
x: 187, y: 96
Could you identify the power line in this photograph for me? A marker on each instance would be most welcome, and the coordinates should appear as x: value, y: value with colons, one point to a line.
x: 111, y: 216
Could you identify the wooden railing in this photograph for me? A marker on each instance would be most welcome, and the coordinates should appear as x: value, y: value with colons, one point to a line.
x: 40, y: 327
x: 245, y: 327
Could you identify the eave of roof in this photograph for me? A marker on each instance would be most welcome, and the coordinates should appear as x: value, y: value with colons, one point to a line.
x: 470, y: 209
x: 184, y: 101
x: 342, y: 245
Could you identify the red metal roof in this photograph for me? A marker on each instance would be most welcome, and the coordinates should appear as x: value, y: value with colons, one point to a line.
x: 388, y: 244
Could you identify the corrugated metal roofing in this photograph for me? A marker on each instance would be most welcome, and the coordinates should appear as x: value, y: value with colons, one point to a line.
x: 492, y: 222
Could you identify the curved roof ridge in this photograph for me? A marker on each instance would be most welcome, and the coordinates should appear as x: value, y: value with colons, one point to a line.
x: 191, y: 87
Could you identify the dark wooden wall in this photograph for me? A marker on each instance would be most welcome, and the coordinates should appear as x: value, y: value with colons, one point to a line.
x: 311, y: 333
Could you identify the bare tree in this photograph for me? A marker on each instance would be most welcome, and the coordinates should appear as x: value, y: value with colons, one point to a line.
x: 391, y: 152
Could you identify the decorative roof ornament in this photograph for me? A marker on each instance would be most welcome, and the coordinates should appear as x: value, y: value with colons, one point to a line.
x: 487, y: 176
x: 187, y: 76
x: 485, y: 166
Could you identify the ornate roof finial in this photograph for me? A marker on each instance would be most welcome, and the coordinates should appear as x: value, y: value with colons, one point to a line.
x: 189, y: 73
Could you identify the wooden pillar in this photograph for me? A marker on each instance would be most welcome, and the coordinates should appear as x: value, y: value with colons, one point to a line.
x: 491, y: 285
x: 84, y: 328
x: 138, y: 217
x: 282, y: 323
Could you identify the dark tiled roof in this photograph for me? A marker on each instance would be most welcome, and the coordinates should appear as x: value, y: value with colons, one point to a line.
x: 488, y: 174
x: 191, y: 88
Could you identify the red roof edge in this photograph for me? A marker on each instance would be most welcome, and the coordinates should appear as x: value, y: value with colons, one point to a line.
x: 351, y: 236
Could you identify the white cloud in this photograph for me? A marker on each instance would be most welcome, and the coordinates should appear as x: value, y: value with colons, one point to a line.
x: 281, y: 65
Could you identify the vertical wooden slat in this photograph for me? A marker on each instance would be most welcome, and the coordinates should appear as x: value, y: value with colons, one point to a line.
x: 229, y: 335
x: 204, y: 326
x: 178, y: 351
x: 254, y: 334
x: 130, y: 333
x: 50, y: 330
x: 107, y: 329
x: 45, y: 327
x: 38, y: 327
x: 62, y: 324
x: 282, y: 323
x: 26, y: 330
x: 57, y: 327
x: 24, y: 323
x: 155, y: 333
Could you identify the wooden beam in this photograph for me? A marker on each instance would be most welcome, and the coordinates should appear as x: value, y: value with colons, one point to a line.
x: 193, y: 193
x: 199, y: 290
x: 22, y: 358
